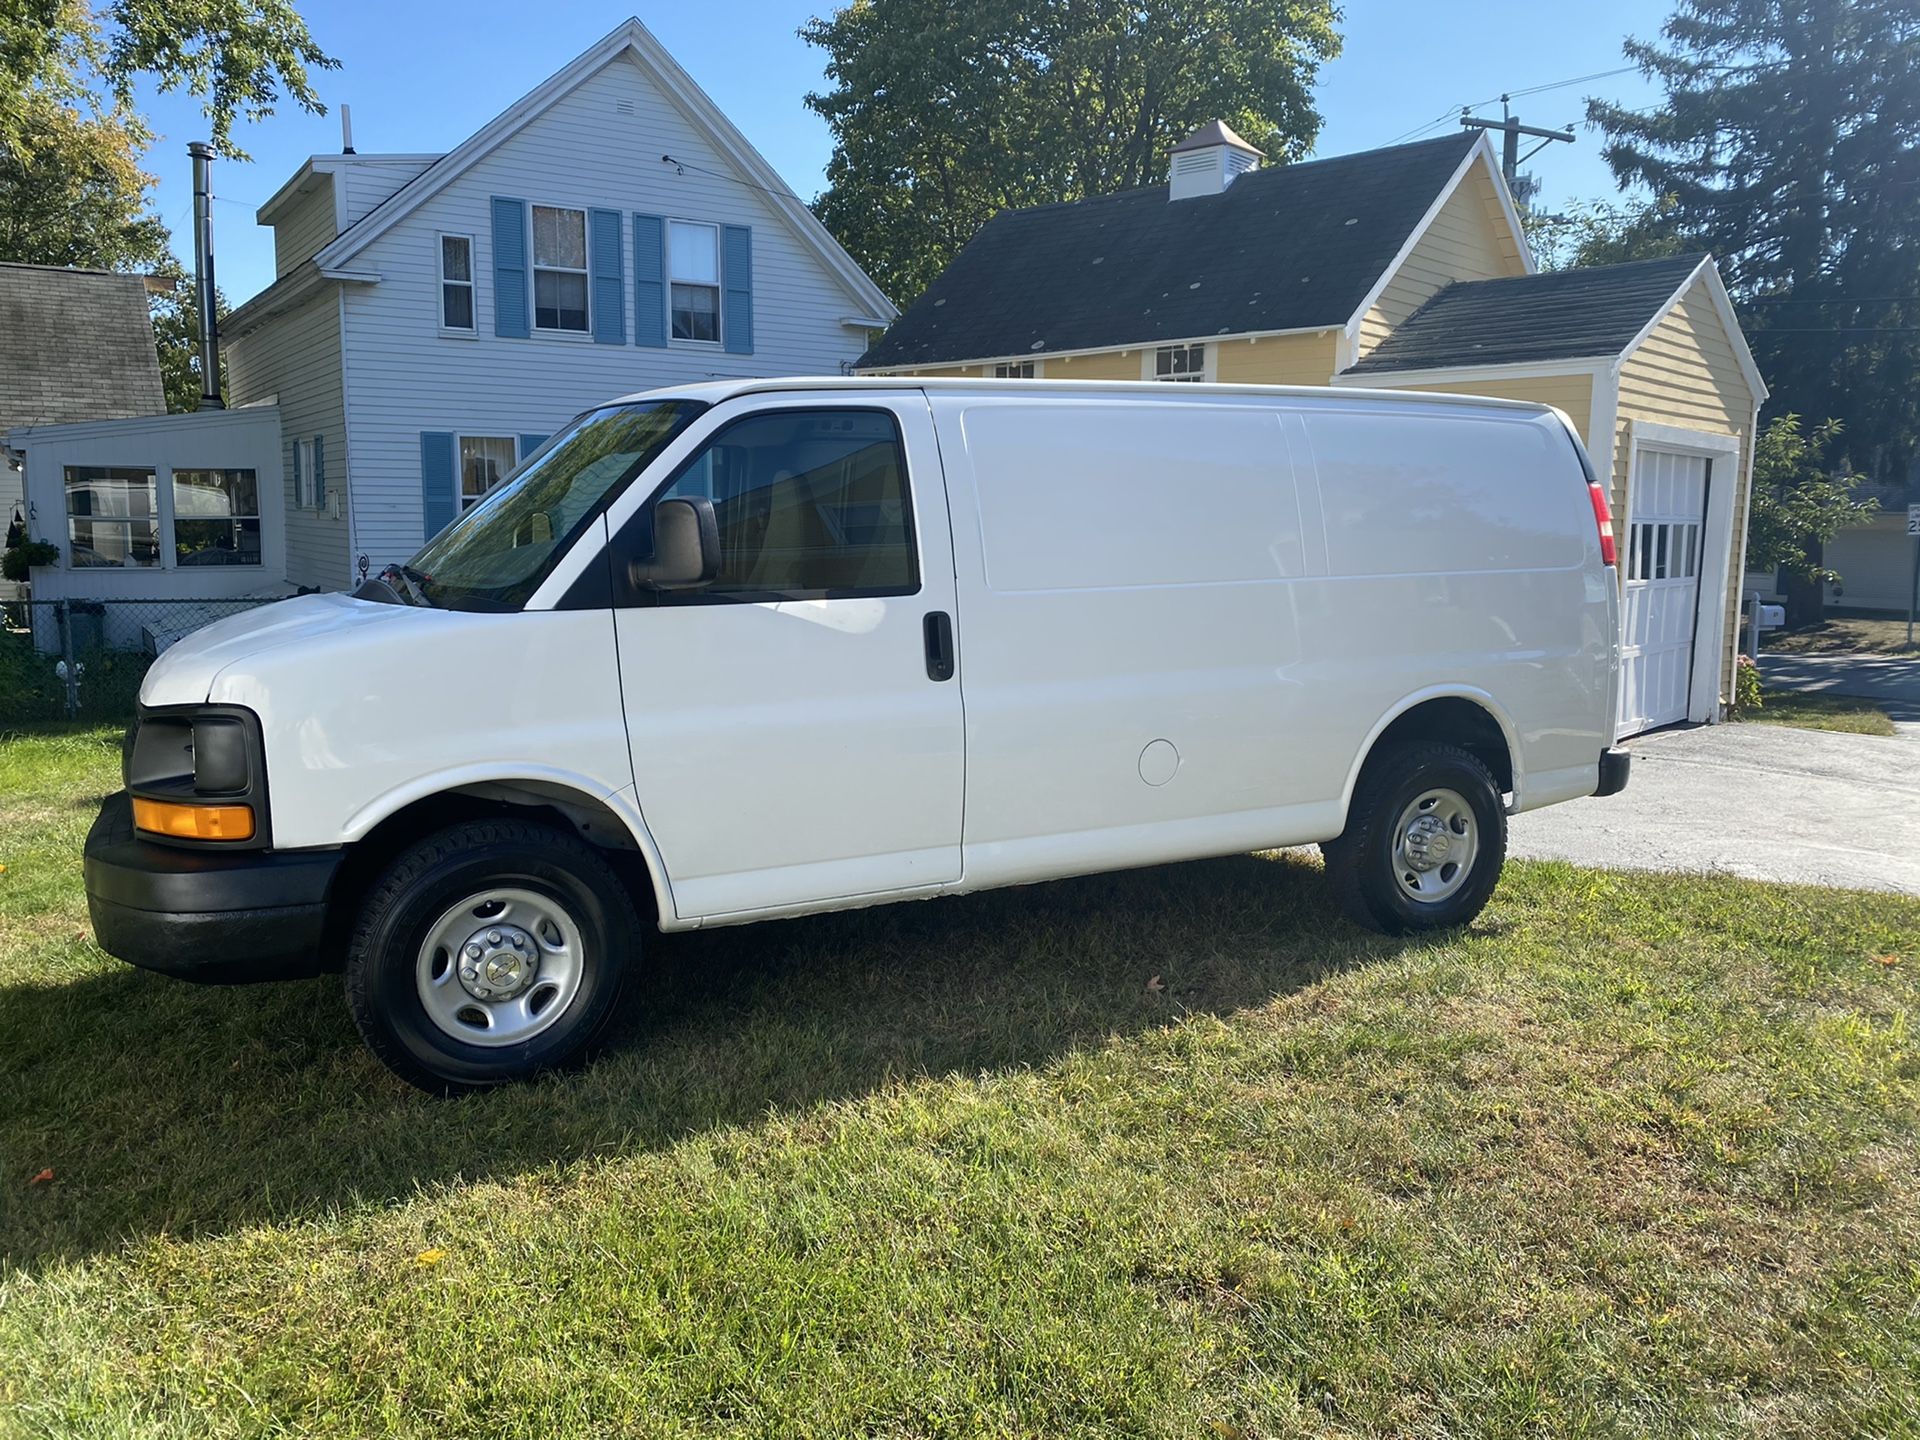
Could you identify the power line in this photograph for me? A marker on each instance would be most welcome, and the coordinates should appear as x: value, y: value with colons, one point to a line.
x: 682, y: 166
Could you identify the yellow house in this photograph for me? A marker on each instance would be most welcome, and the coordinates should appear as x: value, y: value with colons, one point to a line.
x: 1402, y: 268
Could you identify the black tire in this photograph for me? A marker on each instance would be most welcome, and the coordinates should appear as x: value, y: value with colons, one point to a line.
x: 1365, y: 864
x: 418, y: 888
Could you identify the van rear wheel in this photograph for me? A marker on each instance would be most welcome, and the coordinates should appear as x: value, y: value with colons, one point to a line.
x: 1425, y: 840
x: 488, y: 952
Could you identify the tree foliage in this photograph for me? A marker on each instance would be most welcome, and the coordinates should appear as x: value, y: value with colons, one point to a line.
x: 1789, y: 145
x: 73, y: 190
x: 945, y: 112
x: 1801, y: 499
x: 236, y: 55
x: 1593, y: 233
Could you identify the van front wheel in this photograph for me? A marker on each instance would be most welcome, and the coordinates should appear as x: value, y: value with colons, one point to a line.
x: 488, y: 952
x: 1425, y: 839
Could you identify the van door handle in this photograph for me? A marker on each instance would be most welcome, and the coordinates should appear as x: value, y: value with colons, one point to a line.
x: 938, y: 629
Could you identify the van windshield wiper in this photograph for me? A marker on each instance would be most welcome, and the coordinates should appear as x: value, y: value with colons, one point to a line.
x: 413, y: 580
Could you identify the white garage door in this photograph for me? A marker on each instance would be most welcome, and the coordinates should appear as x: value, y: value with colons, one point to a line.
x: 1662, y: 590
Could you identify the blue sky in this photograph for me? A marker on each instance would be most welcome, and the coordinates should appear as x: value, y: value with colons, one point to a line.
x: 422, y: 76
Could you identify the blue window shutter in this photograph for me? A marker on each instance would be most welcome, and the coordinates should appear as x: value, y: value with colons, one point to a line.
x: 736, y: 280
x: 649, y: 280
x: 319, y: 472
x: 510, y: 268
x: 437, y: 502
x: 293, y: 469
x: 608, y: 266
x: 530, y: 443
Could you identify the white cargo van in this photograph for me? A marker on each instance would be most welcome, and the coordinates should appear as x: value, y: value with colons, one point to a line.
x: 755, y: 649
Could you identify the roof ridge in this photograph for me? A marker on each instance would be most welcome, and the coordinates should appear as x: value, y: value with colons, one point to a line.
x: 73, y: 269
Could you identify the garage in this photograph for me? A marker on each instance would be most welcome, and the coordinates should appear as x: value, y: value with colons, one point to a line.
x: 1647, y: 362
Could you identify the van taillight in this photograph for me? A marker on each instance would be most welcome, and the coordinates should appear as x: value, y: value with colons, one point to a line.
x: 1603, y: 520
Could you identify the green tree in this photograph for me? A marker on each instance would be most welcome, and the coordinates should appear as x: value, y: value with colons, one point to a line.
x: 1594, y: 233
x: 945, y: 112
x: 73, y: 190
x: 237, y: 55
x: 1801, y: 499
x: 1789, y: 145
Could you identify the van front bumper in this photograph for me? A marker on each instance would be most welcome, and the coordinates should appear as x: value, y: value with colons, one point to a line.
x: 1615, y: 764
x: 208, y: 915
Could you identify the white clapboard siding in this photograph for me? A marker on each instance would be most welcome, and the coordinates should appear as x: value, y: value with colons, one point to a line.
x: 369, y: 179
x: 304, y: 225
x: 296, y: 358
x: 598, y: 146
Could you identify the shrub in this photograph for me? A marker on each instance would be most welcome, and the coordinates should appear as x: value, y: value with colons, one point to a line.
x: 1746, y: 687
x: 19, y: 559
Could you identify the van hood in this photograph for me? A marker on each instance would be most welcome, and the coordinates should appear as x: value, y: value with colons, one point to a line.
x: 186, y: 673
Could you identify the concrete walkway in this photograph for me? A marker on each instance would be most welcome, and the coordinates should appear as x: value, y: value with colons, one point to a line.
x: 1892, y: 680
x: 1764, y: 801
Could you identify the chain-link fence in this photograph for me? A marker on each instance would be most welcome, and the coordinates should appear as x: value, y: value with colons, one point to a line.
x: 84, y: 659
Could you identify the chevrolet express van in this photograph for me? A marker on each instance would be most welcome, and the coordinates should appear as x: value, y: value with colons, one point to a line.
x: 753, y: 649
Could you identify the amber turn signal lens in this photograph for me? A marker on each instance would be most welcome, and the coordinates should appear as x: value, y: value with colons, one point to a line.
x: 193, y: 822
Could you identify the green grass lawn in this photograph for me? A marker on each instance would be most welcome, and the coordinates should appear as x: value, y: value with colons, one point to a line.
x: 1174, y: 1152
x: 1807, y: 710
x: 1842, y: 635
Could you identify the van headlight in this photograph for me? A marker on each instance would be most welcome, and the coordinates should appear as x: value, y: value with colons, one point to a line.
x: 197, y: 773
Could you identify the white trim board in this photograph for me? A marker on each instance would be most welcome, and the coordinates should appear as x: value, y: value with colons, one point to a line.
x: 632, y: 38
x: 1447, y: 374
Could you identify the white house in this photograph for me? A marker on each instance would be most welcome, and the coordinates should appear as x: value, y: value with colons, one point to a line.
x: 434, y: 318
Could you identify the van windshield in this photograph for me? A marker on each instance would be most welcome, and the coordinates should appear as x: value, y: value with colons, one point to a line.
x: 495, y: 556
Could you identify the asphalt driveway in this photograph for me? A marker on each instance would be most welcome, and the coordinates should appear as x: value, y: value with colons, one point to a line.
x: 1764, y: 801
x: 1891, y: 681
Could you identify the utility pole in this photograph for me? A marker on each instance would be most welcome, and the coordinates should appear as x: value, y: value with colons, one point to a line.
x: 1510, y: 156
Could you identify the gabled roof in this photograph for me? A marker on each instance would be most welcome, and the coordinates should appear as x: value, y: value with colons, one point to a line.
x: 1294, y: 247
x: 1556, y: 315
x: 1215, y: 132
x: 79, y: 346
x: 629, y: 38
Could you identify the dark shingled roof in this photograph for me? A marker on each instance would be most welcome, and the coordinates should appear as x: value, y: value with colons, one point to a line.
x: 1560, y: 315
x: 1288, y: 248
x: 78, y: 346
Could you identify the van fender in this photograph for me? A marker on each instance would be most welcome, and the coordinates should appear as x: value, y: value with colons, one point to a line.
x: 622, y: 802
x: 1420, y: 697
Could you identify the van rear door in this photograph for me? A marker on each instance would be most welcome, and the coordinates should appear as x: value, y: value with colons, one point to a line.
x: 796, y: 736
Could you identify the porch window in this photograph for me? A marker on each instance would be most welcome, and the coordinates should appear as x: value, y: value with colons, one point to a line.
x: 456, y: 282
x: 113, y: 517
x: 693, y: 257
x: 484, y: 463
x: 559, y: 269
x: 1014, y: 370
x: 216, y: 517
x: 1183, y: 363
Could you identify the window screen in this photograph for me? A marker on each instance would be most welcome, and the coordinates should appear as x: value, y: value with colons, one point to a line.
x: 810, y: 503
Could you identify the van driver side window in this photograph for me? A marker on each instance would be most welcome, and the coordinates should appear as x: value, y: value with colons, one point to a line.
x: 811, y: 504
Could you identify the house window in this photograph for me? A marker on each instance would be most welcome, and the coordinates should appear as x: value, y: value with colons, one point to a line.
x: 1180, y: 363
x: 113, y: 517
x: 216, y: 517
x: 693, y: 258
x: 559, y: 269
x: 1014, y: 370
x: 306, y: 494
x: 456, y: 282
x: 484, y: 463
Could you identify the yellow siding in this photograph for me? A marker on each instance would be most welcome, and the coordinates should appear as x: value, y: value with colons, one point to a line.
x: 1571, y: 393
x: 1277, y: 360
x: 1272, y: 360
x: 1685, y: 374
x: 1469, y: 239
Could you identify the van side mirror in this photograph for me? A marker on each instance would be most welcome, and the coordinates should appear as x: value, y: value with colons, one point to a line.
x: 686, y: 547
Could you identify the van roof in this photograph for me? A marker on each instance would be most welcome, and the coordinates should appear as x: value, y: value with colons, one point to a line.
x: 714, y: 391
